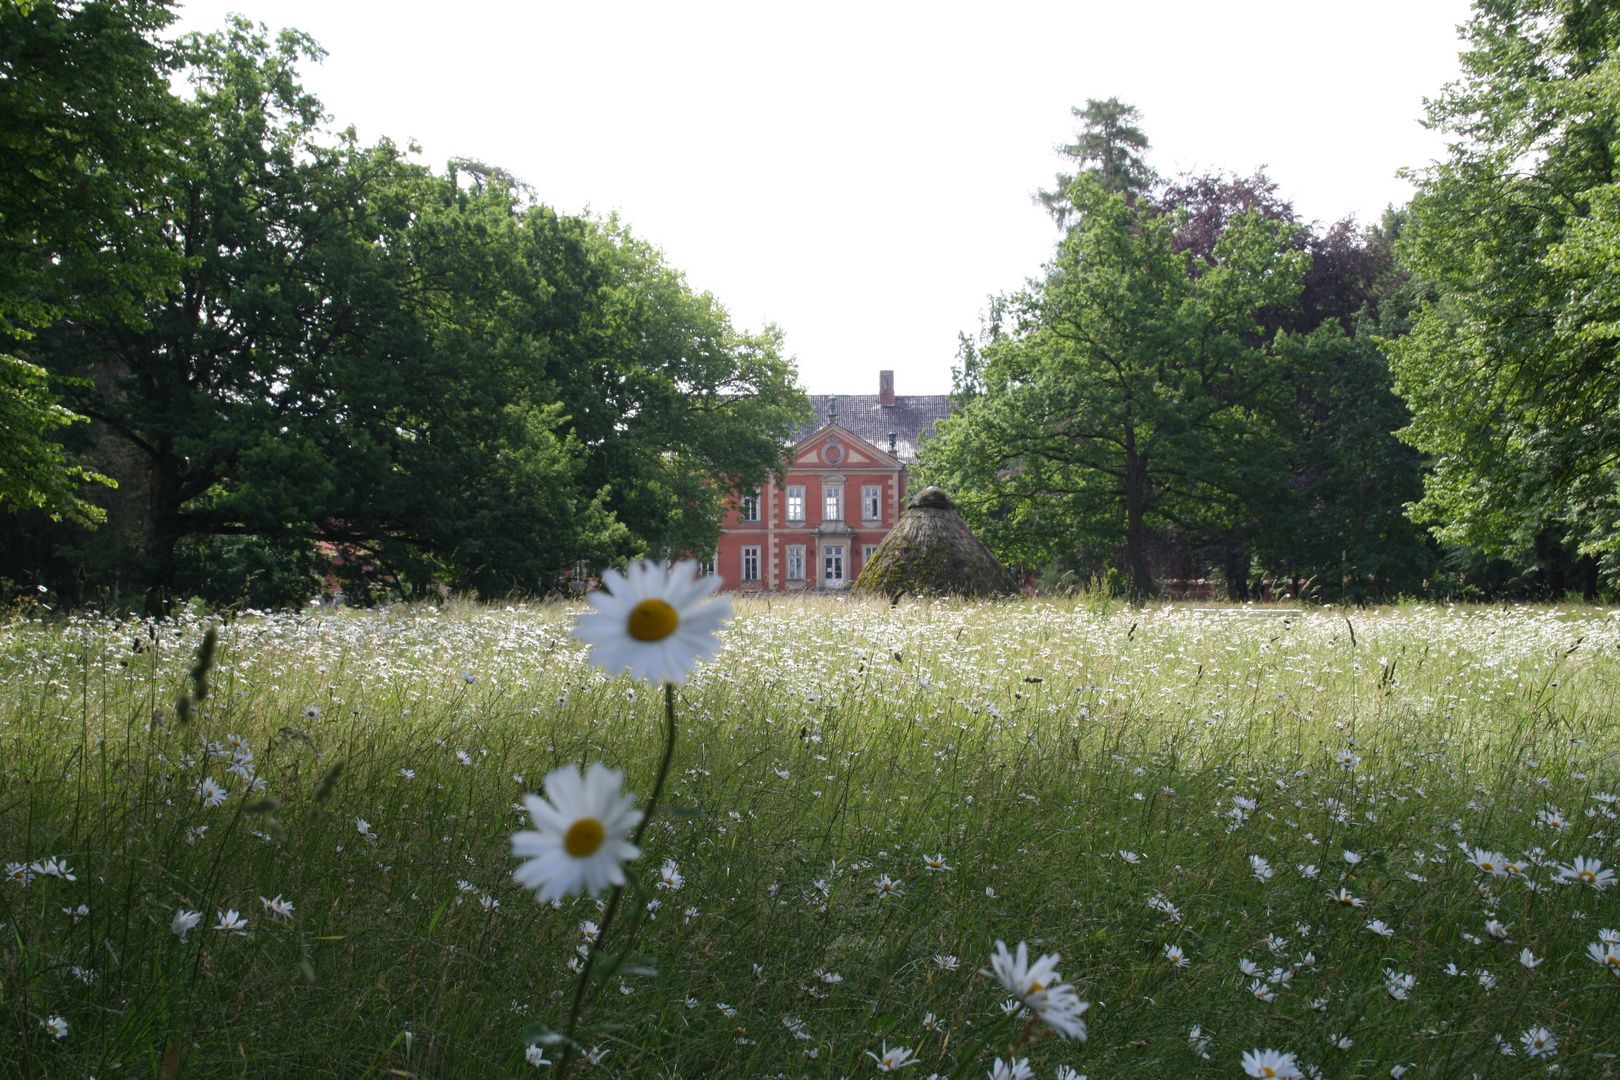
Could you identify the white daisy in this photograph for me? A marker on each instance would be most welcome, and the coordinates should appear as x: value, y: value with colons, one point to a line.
x: 1011, y: 1069
x: 231, y: 921
x: 212, y: 794
x: 654, y: 621
x: 1588, y: 872
x: 893, y: 1060
x: 1539, y: 1042
x: 935, y: 862
x: 278, y: 906
x: 184, y: 922
x: 580, y: 840
x: 1270, y: 1065
x: 1176, y: 957
x: 1606, y: 955
x: 56, y: 868
x: 670, y: 876
x: 56, y: 1026
x: 1037, y: 986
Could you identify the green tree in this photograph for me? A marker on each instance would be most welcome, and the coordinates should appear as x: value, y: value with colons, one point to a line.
x: 437, y: 381
x: 34, y: 470
x: 1511, y: 373
x: 85, y: 131
x: 1111, y: 146
x: 1126, y: 396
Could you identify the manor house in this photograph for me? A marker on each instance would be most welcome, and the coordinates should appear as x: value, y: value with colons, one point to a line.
x: 840, y: 494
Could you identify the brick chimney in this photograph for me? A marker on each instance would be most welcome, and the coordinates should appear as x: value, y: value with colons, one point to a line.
x: 885, y: 388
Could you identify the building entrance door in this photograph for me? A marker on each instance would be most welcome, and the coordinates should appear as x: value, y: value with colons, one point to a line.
x: 833, y: 567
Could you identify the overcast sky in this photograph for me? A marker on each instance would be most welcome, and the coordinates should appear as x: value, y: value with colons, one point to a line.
x: 861, y: 174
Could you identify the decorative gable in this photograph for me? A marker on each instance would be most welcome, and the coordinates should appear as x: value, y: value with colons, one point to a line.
x: 834, y: 447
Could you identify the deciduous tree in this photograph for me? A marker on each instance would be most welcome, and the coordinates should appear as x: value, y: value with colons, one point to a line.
x: 1512, y: 374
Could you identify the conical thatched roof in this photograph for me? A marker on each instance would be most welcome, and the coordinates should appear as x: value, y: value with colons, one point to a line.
x: 932, y: 552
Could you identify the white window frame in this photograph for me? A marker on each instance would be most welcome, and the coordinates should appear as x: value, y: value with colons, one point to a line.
x: 832, y: 558
x: 706, y: 566
x: 872, y: 502
x: 748, y: 507
x: 832, y: 502
x: 750, y: 563
x: 795, y: 503
x: 867, y: 551
x: 795, y: 562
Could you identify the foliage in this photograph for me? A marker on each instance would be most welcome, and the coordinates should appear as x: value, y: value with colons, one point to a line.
x: 434, y: 383
x: 1511, y: 372
x: 1033, y: 745
x: 1127, y: 396
x: 33, y: 468
x: 1112, y: 145
x: 84, y: 127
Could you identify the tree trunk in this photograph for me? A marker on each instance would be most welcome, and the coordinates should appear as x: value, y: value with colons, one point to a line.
x: 1135, y: 529
x: 166, y: 529
x: 1236, y: 567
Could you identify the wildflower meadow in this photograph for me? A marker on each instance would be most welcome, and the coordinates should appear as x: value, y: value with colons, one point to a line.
x: 1041, y: 838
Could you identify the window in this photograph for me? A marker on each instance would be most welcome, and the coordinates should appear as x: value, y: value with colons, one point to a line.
x: 706, y: 566
x: 832, y: 503
x: 795, y: 562
x: 867, y: 551
x: 833, y: 561
x: 748, y: 509
x: 750, y: 564
x: 795, y: 504
x: 871, y: 502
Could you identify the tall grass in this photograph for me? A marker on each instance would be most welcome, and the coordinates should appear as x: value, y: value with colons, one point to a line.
x: 1087, y: 771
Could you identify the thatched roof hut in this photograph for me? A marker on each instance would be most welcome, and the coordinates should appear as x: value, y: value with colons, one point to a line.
x: 932, y: 552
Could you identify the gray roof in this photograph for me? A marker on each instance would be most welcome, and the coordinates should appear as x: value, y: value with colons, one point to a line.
x: 910, y: 416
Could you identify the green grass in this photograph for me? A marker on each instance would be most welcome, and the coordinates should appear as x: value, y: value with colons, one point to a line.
x: 1031, y: 743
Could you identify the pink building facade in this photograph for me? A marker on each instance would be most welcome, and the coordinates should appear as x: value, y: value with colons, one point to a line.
x: 843, y: 484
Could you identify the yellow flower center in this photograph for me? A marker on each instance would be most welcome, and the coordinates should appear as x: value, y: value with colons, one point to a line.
x: 652, y: 620
x: 584, y: 837
x: 1036, y: 987
x: 1587, y: 875
x: 1267, y: 1070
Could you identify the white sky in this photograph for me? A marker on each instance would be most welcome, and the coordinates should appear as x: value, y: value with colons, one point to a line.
x: 861, y: 174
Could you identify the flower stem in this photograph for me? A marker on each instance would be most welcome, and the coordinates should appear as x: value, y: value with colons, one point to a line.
x: 663, y: 766
x: 572, y: 1045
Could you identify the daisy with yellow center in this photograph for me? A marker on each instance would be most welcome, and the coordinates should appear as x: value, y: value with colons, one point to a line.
x: 1270, y: 1065
x: 1038, y: 986
x: 580, y: 840
x: 654, y: 621
x: 1587, y: 872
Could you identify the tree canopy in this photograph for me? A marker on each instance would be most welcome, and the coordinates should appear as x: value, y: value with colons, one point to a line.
x: 1510, y: 371
x: 362, y: 367
x: 1126, y: 394
x: 1192, y: 383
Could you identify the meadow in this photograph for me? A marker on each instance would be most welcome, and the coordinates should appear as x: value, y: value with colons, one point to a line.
x: 1347, y: 835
